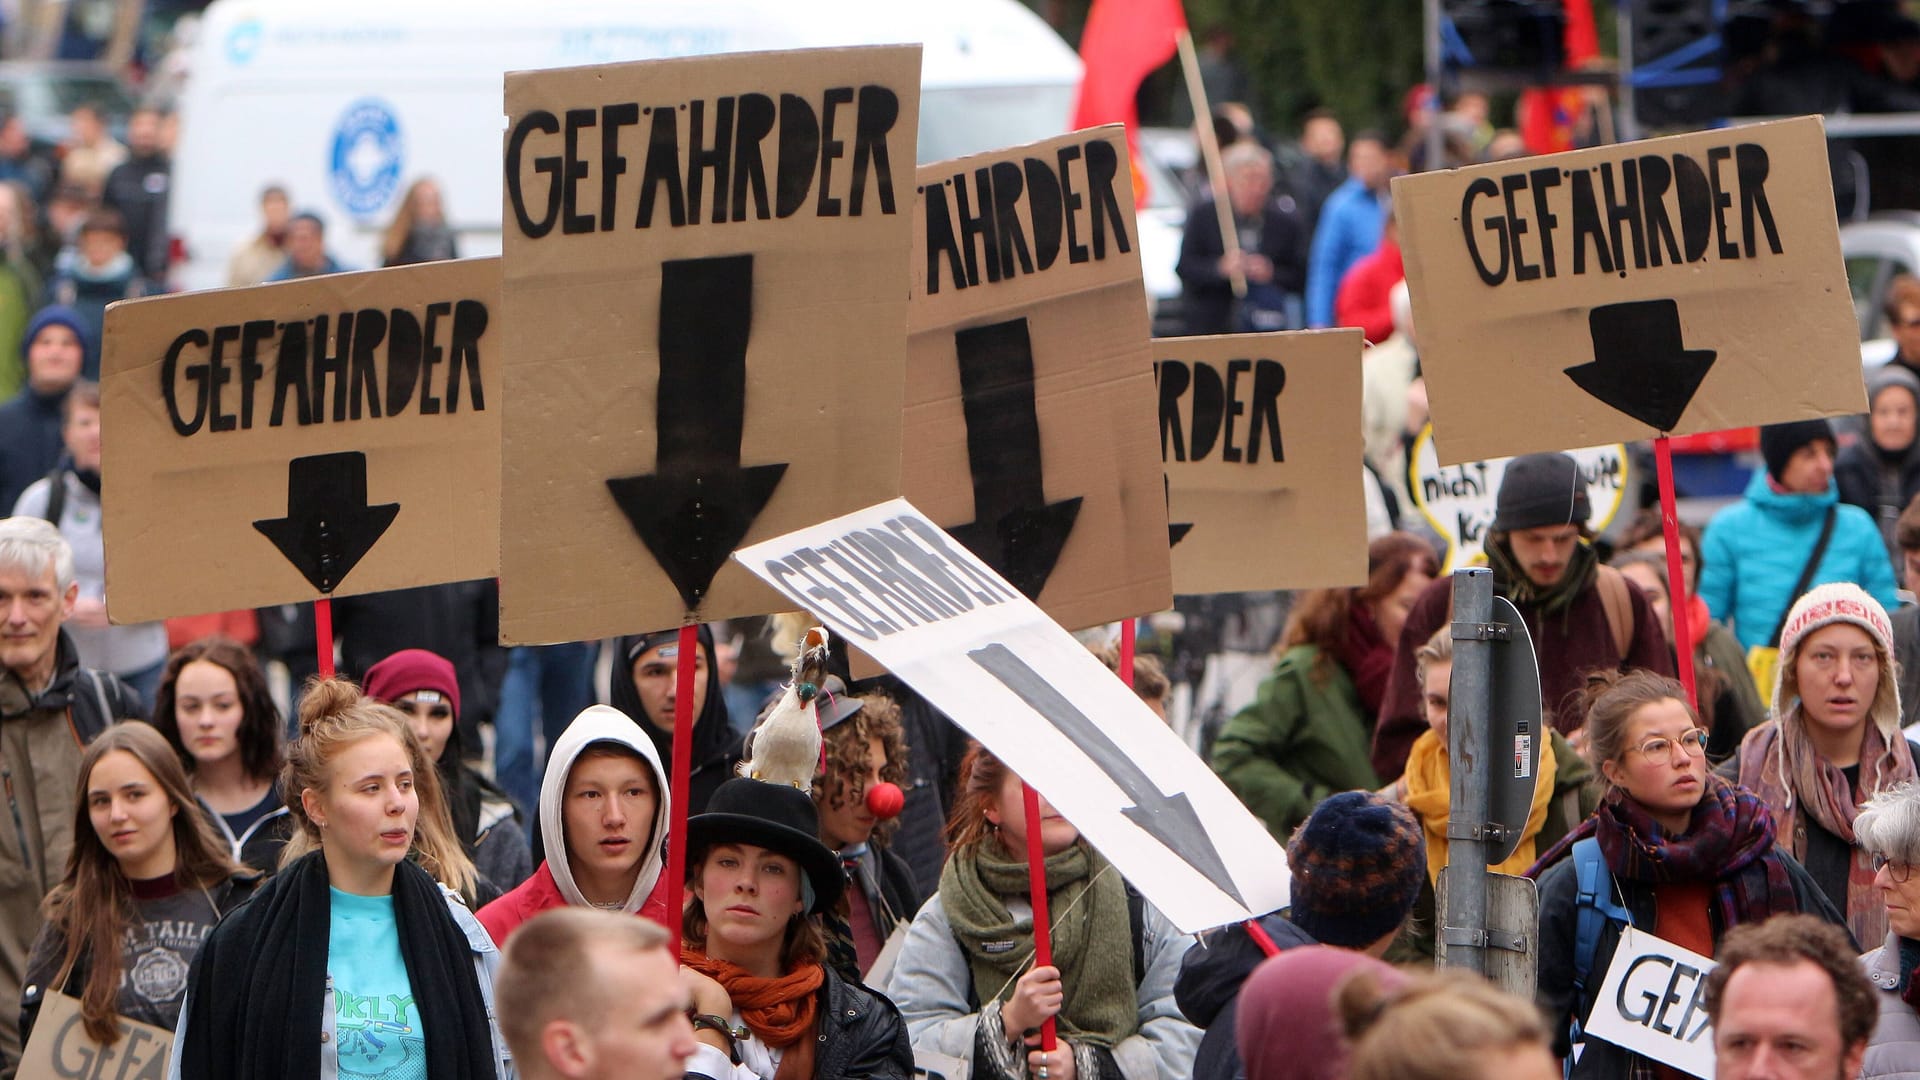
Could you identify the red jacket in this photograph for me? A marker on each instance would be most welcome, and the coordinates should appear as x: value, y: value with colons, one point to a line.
x: 1362, y: 299
x: 538, y: 893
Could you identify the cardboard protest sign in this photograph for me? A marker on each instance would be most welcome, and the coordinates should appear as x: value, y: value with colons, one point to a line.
x: 707, y: 320
x: 914, y: 598
x: 61, y: 1049
x: 1653, y: 1002
x: 1679, y: 285
x: 1261, y: 445
x: 1458, y: 500
x: 1029, y: 385
x: 337, y: 435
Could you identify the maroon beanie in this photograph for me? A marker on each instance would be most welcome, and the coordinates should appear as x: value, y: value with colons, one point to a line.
x: 1286, y: 1025
x: 409, y: 670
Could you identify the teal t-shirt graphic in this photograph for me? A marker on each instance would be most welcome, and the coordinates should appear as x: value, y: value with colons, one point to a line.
x: 377, y: 1028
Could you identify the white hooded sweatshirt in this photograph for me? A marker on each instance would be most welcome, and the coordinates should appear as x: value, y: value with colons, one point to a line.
x: 600, y: 723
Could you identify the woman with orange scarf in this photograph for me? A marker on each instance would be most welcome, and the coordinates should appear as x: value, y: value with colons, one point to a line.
x: 766, y: 1006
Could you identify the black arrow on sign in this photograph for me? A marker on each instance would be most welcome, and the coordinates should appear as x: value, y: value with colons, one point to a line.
x: 698, y: 503
x: 329, y: 527
x: 1176, y: 530
x: 1639, y: 364
x: 1169, y: 819
x: 1014, y: 529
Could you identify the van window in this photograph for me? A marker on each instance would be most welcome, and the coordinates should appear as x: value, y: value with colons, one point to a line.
x: 1863, y: 280
x: 956, y: 121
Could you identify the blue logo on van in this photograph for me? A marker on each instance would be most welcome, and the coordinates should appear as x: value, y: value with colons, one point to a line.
x: 243, y: 42
x: 367, y: 159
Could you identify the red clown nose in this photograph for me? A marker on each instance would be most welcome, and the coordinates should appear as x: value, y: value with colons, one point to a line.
x: 885, y: 800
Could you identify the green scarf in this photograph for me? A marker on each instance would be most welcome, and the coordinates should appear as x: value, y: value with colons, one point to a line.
x: 1519, y: 588
x: 1087, y: 904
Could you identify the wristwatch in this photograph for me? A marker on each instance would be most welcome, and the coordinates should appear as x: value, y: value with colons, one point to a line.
x: 733, y: 1035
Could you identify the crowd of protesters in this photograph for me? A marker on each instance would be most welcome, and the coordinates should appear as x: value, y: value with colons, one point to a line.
x: 451, y: 859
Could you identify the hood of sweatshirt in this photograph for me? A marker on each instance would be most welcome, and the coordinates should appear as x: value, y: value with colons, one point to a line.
x: 600, y: 723
x: 1788, y: 507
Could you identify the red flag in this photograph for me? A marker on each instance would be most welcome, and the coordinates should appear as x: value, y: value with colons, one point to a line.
x: 1125, y: 40
x: 1547, y: 117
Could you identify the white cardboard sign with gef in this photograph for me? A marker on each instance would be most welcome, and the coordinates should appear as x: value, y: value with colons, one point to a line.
x: 1653, y: 1002
x: 1458, y: 500
x: 889, y: 581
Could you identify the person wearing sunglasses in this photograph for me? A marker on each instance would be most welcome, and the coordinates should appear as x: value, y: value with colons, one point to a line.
x: 1834, y: 742
x: 1686, y: 854
x: 1888, y: 828
x: 424, y: 687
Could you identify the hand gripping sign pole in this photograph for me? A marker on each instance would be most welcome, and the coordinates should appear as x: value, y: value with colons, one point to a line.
x: 1037, y: 895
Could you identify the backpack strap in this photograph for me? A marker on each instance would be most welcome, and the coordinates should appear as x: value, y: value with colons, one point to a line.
x: 1137, y: 924
x: 1617, y: 602
x: 1594, y: 908
x: 56, y: 496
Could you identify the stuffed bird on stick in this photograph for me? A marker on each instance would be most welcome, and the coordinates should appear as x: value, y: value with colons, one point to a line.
x: 785, y: 747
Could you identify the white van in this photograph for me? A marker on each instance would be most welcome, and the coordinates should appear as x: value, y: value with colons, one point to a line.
x: 347, y: 102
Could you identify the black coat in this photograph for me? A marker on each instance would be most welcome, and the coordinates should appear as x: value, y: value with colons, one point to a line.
x: 30, y: 443
x: 1207, y: 295
x: 1880, y: 487
x: 1554, y: 991
x: 1208, y: 989
x: 137, y: 187
x: 861, y: 1035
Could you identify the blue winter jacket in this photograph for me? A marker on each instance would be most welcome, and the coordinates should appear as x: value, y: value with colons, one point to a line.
x: 1348, y: 230
x: 1756, y: 548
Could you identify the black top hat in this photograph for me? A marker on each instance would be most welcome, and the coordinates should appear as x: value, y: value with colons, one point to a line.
x: 773, y: 816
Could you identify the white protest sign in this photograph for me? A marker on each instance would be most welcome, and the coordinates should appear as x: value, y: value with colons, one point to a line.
x: 1458, y: 500
x: 1653, y: 1002
x: 912, y: 597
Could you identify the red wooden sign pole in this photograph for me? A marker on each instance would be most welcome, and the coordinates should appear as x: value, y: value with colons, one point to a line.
x: 1677, y: 599
x: 322, y: 637
x: 1126, y: 651
x: 1037, y: 894
x: 683, y: 671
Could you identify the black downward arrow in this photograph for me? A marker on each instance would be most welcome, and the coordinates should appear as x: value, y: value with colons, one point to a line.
x: 1014, y: 529
x: 1169, y: 819
x: 329, y: 527
x: 698, y: 503
x: 1639, y: 365
x: 1176, y: 530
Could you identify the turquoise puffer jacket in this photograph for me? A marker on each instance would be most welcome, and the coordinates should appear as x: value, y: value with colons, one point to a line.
x: 1755, y: 549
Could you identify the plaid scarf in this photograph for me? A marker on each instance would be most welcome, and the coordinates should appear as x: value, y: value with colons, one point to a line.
x: 1779, y: 763
x: 1729, y: 842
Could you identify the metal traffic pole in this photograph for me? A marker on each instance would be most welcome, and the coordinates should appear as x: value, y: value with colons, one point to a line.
x: 1463, y: 926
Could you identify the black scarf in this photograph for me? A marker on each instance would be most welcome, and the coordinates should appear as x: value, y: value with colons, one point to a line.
x: 258, y: 986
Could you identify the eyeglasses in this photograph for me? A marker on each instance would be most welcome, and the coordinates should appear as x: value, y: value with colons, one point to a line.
x: 1694, y: 743
x: 1898, y: 871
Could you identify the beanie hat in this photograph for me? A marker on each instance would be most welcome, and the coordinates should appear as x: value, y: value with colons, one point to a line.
x: 409, y: 670
x: 1841, y: 602
x: 1539, y: 490
x: 1358, y: 863
x: 1286, y: 1026
x: 1778, y: 442
x: 52, y: 315
x: 1888, y: 376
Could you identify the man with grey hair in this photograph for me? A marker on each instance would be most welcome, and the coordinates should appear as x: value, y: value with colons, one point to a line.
x: 50, y: 707
x: 1272, y: 255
